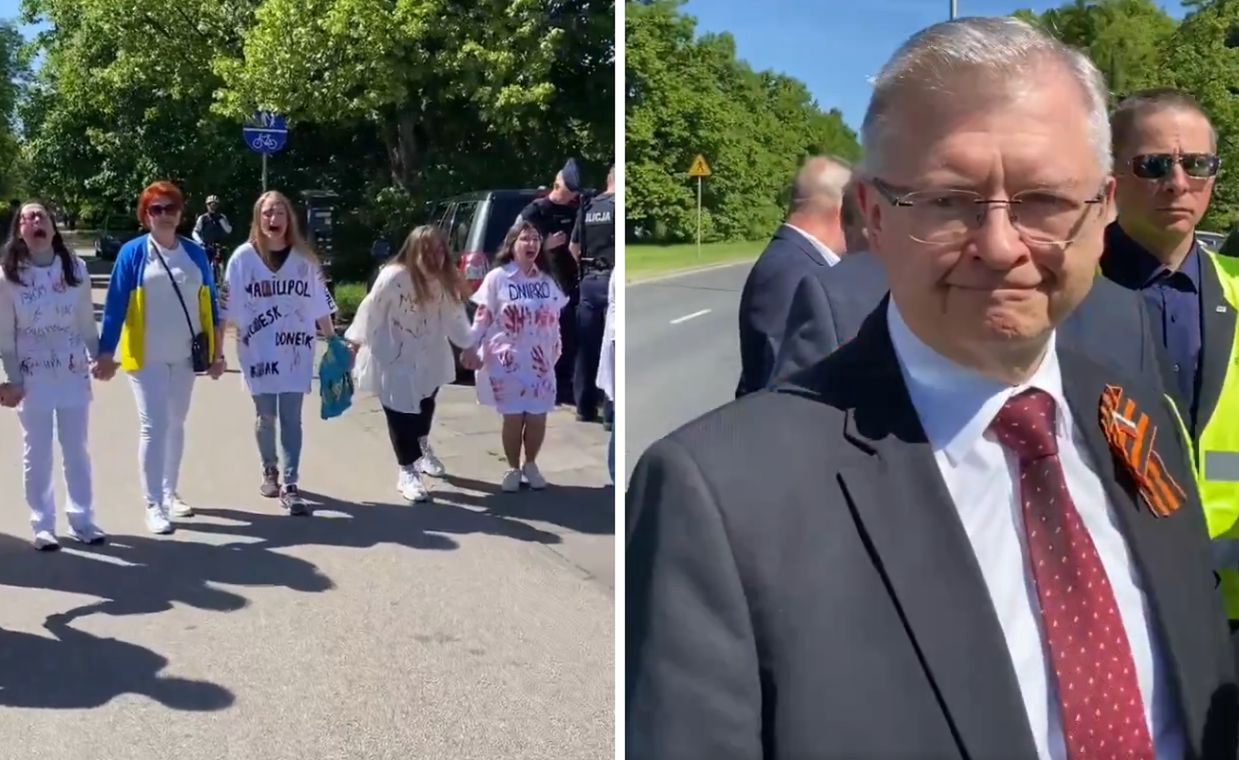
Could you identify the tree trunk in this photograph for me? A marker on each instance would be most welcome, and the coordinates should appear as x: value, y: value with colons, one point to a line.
x: 404, y: 148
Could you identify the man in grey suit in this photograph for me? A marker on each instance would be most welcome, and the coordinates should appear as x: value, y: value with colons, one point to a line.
x: 956, y: 537
x: 811, y: 238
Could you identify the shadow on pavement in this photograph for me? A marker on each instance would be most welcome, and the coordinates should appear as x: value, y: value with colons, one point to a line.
x: 577, y: 508
x: 147, y: 575
x: 366, y: 524
x: 76, y: 670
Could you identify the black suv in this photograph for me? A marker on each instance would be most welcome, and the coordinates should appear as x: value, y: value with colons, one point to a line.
x: 478, y: 221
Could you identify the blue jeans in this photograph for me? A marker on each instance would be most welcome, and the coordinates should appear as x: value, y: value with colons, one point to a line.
x: 287, y: 407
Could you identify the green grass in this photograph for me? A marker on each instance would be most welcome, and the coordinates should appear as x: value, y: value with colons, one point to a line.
x: 349, y: 296
x: 642, y: 261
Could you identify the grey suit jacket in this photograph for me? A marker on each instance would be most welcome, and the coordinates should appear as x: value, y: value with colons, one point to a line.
x: 828, y: 308
x: 799, y: 584
x: 764, y: 301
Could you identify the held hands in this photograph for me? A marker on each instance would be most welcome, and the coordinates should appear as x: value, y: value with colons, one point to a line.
x: 470, y: 361
x: 11, y: 395
x: 104, y: 367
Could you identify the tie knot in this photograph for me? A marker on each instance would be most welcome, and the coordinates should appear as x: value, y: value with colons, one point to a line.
x: 1025, y: 425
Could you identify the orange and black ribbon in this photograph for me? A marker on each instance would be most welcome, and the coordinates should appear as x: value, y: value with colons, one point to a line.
x: 1132, y: 437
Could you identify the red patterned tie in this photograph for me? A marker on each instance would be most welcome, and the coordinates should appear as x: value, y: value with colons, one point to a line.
x: 1102, y: 710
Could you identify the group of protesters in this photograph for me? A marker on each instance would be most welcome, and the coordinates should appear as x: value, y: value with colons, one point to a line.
x: 164, y: 321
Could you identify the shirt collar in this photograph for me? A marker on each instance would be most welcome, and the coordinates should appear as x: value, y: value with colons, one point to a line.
x: 831, y: 257
x: 956, y: 404
x: 1130, y: 264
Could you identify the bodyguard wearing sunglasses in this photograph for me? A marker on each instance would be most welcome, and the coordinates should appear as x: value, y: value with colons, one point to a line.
x: 1165, y: 166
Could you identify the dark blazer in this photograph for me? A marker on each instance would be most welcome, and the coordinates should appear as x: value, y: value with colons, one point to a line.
x: 764, y: 301
x: 799, y: 584
x: 1217, y: 319
x: 828, y: 308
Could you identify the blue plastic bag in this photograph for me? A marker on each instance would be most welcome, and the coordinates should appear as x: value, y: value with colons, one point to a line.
x: 335, y: 382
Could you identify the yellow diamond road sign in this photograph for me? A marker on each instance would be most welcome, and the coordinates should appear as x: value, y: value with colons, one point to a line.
x: 699, y: 167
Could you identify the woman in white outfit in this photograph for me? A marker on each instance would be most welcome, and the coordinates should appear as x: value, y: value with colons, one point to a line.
x: 400, y: 337
x: 277, y: 299
x: 161, y: 302
x: 516, y: 329
x: 47, y: 341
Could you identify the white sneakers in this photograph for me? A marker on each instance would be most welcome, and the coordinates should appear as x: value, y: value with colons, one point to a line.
x: 45, y: 541
x: 429, y: 464
x: 157, y: 519
x: 534, y: 476
x: 178, y: 508
x: 410, y: 485
x: 530, y: 474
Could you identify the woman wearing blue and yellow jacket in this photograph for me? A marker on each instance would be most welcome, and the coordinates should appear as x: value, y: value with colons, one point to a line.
x: 161, y: 296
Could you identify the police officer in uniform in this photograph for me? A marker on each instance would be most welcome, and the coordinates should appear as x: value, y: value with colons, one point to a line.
x: 593, y: 246
x: 1165, y: 166
x: 554, y: 217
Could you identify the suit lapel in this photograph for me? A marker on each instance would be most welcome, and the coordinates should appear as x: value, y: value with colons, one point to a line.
x: 1217, y: 324
x: 1151, y: 540
x: 921, y: 548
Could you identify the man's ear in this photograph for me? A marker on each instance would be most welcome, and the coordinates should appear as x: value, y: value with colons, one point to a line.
x: 870, y: 209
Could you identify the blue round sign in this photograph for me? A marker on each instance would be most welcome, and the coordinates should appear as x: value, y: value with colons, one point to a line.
x: 265, y: 132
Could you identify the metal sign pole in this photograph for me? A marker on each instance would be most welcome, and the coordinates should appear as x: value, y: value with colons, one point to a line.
x: 264, y: 172
x: 953, y: 9
x: 698, y: 217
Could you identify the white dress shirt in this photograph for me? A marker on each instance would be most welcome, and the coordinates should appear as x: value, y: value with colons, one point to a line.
x: 956, y: 406
x: 830, y: 256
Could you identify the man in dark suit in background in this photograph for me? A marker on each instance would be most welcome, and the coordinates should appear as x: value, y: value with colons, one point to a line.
x: 956, y: 537
x: 811, y: 238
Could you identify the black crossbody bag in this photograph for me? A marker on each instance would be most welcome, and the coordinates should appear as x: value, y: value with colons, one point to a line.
x: 199, y: 347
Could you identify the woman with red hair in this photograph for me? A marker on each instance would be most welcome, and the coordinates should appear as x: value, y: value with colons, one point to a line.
x: 162, y: 312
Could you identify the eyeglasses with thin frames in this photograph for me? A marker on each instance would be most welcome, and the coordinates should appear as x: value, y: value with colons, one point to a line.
x: 1042, y: 216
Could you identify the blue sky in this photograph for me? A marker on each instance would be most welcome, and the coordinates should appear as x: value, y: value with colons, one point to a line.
x: 835, y: 46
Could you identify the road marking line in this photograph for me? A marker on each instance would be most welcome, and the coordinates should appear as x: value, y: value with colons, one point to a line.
x: 689, y: 316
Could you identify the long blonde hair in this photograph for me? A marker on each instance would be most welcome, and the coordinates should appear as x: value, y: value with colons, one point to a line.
x: 421, y: 247
x: 292, y: 233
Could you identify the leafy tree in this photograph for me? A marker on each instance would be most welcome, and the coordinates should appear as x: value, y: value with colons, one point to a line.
x: 689, y: 95
x: 391, y: 102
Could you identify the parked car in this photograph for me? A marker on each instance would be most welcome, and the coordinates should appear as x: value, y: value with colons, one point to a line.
x: 114, y: 232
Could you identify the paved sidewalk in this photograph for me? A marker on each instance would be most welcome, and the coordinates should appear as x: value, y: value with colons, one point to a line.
x: 479, y: 625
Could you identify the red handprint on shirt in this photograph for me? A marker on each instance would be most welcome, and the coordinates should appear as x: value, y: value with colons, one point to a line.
x: 540, y: 365
x: 513, y: 319
x: 506, y: 357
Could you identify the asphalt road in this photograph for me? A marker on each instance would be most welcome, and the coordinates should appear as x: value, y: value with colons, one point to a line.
x: 682, y: 350
x: 477, y: 625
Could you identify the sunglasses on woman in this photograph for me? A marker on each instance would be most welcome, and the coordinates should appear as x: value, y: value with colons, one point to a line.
x: 159, y: 209
x: 1159, y: 165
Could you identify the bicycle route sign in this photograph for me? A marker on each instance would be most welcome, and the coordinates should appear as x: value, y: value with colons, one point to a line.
x: 265, y: 132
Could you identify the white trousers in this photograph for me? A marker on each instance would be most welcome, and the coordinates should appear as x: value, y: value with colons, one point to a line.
x: 162, y: 392
x: 71, y: 427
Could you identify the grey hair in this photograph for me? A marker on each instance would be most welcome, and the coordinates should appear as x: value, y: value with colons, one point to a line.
x: 1002, y: 49
x: 820, y: 181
